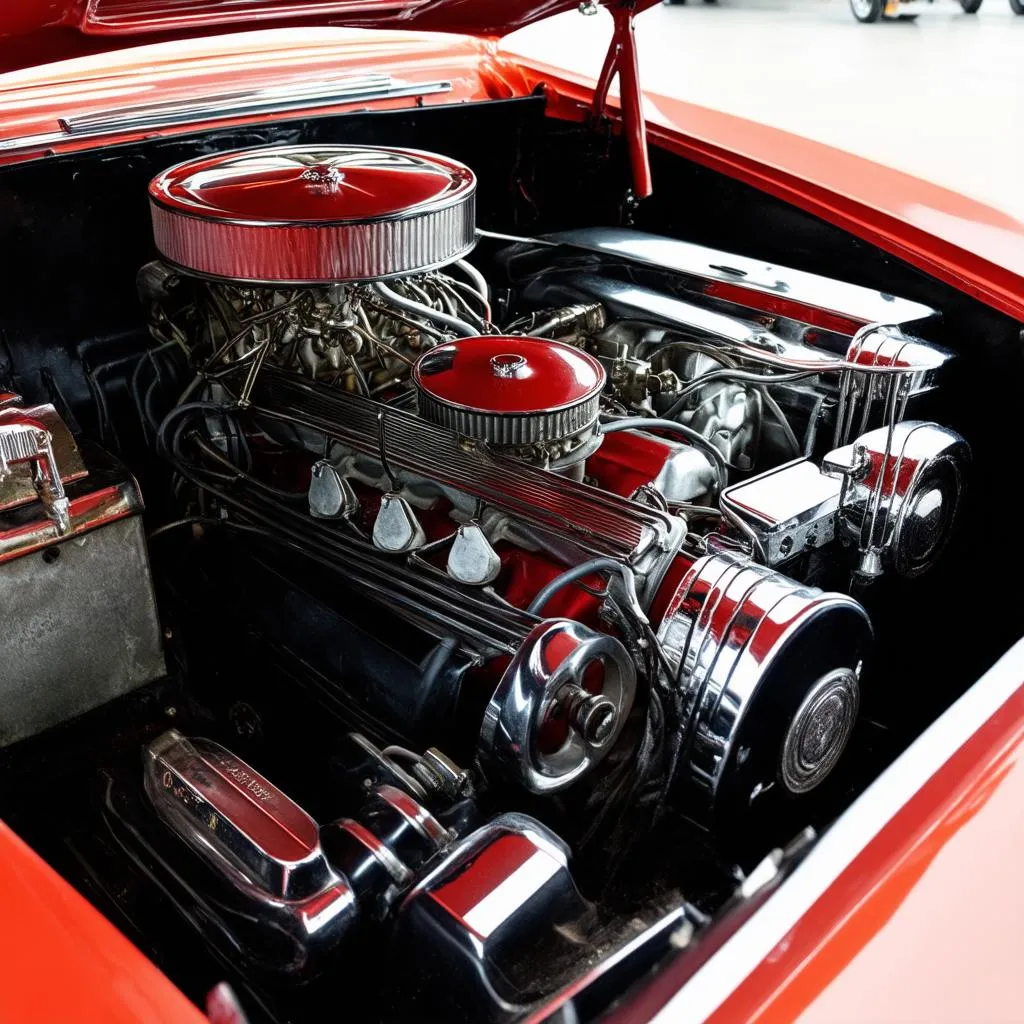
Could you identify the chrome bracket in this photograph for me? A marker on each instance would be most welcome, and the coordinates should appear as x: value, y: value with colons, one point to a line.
x: 25, y: 440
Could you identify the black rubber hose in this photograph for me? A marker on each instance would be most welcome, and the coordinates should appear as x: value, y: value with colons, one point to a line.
x: 592, y: 565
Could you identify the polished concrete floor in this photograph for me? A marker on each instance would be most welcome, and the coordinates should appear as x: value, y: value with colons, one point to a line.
x: 941, y: 97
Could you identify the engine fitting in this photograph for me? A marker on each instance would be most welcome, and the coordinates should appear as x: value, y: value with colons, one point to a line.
x: 325, y: 261
x: 457, y: 620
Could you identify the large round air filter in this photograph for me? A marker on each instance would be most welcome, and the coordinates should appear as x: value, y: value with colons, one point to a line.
x: 509, y: 391
x: 314, y: 214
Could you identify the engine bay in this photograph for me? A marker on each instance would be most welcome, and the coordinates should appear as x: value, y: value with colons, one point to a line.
x: 507, y: 586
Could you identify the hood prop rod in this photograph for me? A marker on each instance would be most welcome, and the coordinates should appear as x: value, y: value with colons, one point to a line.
x: 621, y: 59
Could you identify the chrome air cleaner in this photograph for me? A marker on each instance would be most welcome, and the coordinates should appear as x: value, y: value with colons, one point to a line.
x: 510, y: 391
x: 314, y: 214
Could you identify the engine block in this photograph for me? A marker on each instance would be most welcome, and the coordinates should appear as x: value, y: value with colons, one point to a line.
x: 644, y: 498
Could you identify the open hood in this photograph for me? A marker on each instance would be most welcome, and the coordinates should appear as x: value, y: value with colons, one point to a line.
x: 36, y: 32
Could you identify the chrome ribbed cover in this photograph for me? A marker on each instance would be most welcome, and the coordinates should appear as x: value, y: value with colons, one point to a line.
x: 509, y: 391
x: 771, y: 669
x: 314, y: 214
x: 601, y: 522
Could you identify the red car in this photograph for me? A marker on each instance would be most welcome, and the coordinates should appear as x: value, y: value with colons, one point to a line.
x: 558, y: 593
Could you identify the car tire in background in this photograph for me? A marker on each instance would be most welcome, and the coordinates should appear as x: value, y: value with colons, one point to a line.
x: 970, y: 6
x: 1017, y: 6
x: 867, y: 10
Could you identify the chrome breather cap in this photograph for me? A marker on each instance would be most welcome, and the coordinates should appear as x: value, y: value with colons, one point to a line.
x: 314, y: 214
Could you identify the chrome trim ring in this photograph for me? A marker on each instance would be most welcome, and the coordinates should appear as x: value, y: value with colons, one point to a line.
x: 418, y: 817
x: 510, y: 430
x: 388, y: 860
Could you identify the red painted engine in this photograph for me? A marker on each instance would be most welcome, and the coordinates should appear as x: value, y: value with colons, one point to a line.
x: 568, y: 512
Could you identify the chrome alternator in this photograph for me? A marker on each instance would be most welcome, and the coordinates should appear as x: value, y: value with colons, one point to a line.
x: 768, y: 673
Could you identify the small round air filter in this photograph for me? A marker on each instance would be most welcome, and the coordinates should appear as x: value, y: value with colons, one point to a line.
x: 314, y: 214
x: 509, y: 391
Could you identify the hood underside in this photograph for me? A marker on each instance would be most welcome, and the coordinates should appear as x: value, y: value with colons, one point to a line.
x: 34, y: 32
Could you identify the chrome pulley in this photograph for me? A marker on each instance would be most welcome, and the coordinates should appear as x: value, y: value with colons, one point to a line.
x: 559, y: 707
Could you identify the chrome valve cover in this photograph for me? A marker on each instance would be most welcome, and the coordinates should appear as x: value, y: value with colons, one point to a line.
x: 246, y: 828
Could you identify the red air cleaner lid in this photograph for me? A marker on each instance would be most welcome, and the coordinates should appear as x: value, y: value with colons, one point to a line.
x: 509, y: 391
x: 313, y: 214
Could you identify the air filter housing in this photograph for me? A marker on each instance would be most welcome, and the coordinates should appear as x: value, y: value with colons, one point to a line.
x: 510, y: 391
x: 314, y: 214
